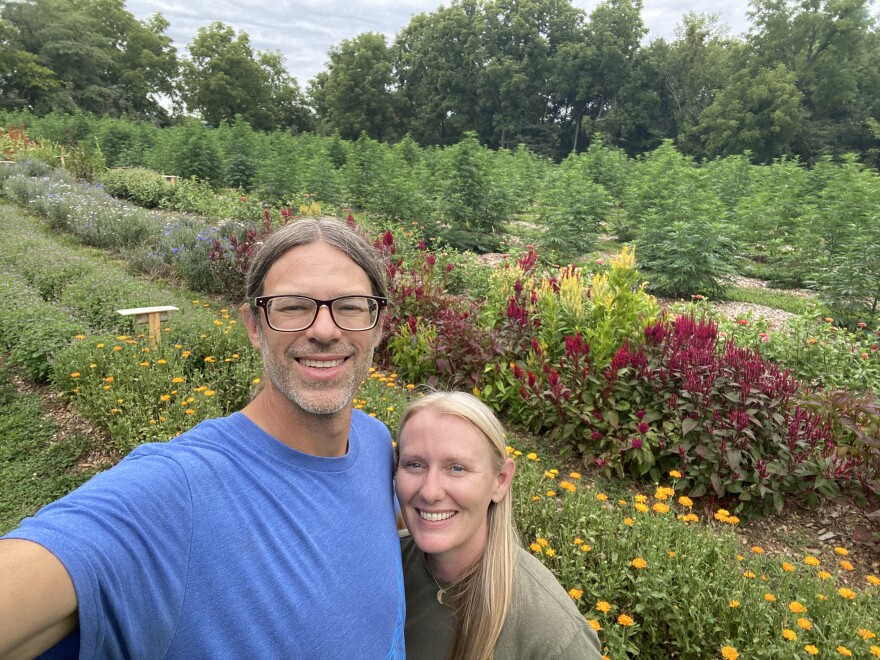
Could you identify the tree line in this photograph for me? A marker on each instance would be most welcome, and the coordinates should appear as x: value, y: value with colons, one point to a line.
x: 804, y: 81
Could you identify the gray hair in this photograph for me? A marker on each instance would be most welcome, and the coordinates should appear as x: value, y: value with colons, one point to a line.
x: 316, y: 230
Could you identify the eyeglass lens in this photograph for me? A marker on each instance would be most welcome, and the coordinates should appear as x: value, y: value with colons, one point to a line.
x: 293, y: 313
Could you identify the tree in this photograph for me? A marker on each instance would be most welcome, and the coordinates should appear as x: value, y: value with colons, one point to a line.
x: 760, y: 111
x: 104, y: 60
x: 353, y: 95
x: 24, y: 83
x: 223, y: 77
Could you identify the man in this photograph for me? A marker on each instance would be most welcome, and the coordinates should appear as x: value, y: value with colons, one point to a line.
x: 268, y: 533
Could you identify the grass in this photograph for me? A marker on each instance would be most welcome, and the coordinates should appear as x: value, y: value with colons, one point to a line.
x: 775, y: 298
x: 35, y: 467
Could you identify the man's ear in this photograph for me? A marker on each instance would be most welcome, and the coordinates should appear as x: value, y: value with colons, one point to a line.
x: 503, y: 480
x: 252, y: 323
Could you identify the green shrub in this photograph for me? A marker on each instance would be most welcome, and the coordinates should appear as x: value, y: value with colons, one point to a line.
x: 143, y: 187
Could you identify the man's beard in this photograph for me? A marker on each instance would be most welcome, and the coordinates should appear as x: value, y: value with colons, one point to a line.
x: 314, y: 397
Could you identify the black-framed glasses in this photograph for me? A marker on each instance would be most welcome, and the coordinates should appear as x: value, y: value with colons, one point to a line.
x: 296, y: 313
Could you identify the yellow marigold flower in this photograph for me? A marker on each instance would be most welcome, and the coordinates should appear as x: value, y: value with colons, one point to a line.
x: 79, y: 336
x: 789, y: 634
x: 602, y: 497
x: 812, y: 650
x: 770, y: 598
x: 691, y: 517
x: 114, y: 410
x: 554, y: 472
x: 549, y: 474
x: 847, y: 566
x: 578, y: 541
x: 595, y: 625
x: 805, y: 623
x: 733, y: 604
x: 675, y: 474
x: 75, y: 374
x: 873, y: 579
x: 210, y: 392
x: 844, y: 651
x: 106, y: 387
x: 410, y: 386
x: 740, y: 558
x: 575, y: 475
x: 145, y: 364
x: 542, y: 542
x: 823, y: 575
x: 186, y: 354
x: 550, y: 552
x: 517, y: 453
x: 165, y: 397
x: 177, y: 379
x: 509, y: 450
x: 757, y: 549
x: 625, y: 620
x: 190, y: 411
x: 670, y: 554
x: 603, y: 606
x: 788, y: 568
x: 567, y: 485
x: 93, y: 366
x: 257, y: 381
x: 732, y: 520
x: 621, y: 502
x: 846, y: 593
x: 100, y: 346
x: 664, y: 493
x: 749, y: 575
x: 639, y: 563
x: 721, y: 513
x: 585, y: 548
x: 796, y: 607
x: 536, y: 498
x: 810, y: 560
x: 629, y: 522
x: 659, y: 507
x: 576, y: 593
x: 875, y: 651
x: 161, y: 361
x: 764, y: 578
x: 864, y: 633
x: 643, y: 508
x: 532, y: 456
x: 843, y: 552
x: 210, y: 359
x: 551, y: 493
x: 729, y: 653
x: 685, y: 501
x: 823, y: 597
x: 534, y: 547
x: 641, y: 499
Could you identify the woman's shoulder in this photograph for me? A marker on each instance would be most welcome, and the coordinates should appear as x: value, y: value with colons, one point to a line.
x: 543, y: 621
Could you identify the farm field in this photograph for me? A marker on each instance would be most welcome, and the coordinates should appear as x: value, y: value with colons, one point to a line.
x: 625, y: 489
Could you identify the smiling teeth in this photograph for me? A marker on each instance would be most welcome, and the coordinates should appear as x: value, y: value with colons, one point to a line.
x: 436, y: 517
x: 321, y: 364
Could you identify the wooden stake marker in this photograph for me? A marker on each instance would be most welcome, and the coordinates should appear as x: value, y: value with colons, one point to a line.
x: 152, y: 315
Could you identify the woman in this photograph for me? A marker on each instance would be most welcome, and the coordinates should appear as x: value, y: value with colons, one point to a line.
x: 471, y: 591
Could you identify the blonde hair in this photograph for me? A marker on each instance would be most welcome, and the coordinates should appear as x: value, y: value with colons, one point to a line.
x: 481, y: 597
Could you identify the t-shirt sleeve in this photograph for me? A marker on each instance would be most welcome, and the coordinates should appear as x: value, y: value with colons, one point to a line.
x: 124, y: 538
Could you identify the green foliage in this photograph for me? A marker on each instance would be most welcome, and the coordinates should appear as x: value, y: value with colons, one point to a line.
x: 573, y: 208
x: 36, y: 465
x: 143, y: 187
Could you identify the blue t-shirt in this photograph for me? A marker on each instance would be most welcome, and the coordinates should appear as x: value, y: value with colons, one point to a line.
x: 225, y: 543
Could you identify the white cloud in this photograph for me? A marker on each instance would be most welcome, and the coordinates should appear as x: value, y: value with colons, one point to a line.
x: 305, y: 30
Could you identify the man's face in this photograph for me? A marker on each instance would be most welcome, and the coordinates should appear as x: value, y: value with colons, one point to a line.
x: 318, y: 369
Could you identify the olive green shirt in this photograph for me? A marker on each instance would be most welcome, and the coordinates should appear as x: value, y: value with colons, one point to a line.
x: 543, y: 622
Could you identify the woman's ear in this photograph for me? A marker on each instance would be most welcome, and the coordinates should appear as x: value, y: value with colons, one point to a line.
x: 503, y: 480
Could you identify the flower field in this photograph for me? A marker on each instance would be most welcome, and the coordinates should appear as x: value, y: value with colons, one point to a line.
x: 692, y: 424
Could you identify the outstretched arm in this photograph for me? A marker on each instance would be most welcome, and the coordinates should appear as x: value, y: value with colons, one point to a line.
x: 38, y: 605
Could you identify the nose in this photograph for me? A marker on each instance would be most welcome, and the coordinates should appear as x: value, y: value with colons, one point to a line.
x: 324, y: 325
x: 432, y: 487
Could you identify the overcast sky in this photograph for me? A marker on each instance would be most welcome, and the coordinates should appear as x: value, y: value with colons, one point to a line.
x: 304, y: 30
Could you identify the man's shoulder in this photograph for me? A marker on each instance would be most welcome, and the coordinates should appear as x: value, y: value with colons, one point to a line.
x: 369, y: 425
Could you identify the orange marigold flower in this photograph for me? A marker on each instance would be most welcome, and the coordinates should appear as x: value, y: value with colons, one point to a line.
x: 576, y: 593
x: 849, y: 594
x: 847, y: 566
x: 843, y: 552
x: 595, y: 625
x: 844, y: 651
x: 733, y: 604
x: 812, y: 650
x: 625, y: 620
x: 805, y: 623
x: 659, y: 507
x: 749, y: 575
x: 639, y: 563
x: 770, y: 598
x: 873, y: 579
x: 823, y: 575
x: 788, y: 568
x: 603, y: 606
x: 796, y: 607
x: 810, y: 560
x: 729, y: 653
x: 875, y: 651
x: 542, y: 542
x: 685, y: 501
x: 629, y: 522
x: 789, y: 634
x: 575, y: 475
x: 864, y: 633
x: 643, y: 508
x: 675, y: 474
x: 602, y: 497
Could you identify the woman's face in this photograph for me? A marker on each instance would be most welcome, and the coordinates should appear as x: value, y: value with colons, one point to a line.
x: 446, y: 479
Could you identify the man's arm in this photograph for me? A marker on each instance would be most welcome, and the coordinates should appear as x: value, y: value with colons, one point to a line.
x: 37, y: 600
